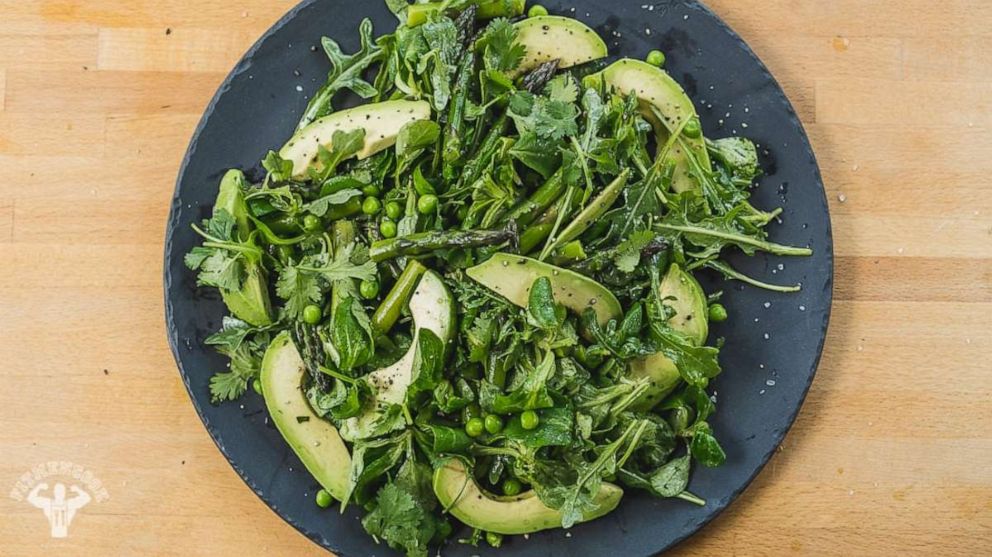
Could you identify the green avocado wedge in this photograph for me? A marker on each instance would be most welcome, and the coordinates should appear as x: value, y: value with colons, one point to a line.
x: 313, y: 439
x: 251, y: 303
x: 381, y: 121
x: 512, y: 276
x: 665, y: 105
x: 550, y: 37
x: 433, y: 309
x: 681, y: 292
x: 461, y: 496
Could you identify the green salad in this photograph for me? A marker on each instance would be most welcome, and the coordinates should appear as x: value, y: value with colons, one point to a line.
x: 471, y: 299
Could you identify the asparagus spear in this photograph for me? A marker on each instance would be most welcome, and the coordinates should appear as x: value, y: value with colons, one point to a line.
x: 426, y: 242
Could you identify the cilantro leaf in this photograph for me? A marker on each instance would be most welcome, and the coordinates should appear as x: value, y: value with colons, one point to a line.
x: 498, y: 43
x: 299, y: 289
x: 563, y: 89
x: 544, y: 117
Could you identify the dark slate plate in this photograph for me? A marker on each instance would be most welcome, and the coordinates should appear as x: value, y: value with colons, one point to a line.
x: 773, y: 340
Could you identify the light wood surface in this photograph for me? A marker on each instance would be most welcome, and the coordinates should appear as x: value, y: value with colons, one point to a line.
x: 891, y: 455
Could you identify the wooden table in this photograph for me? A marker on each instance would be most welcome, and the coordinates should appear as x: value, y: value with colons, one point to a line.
x: 892, y: 453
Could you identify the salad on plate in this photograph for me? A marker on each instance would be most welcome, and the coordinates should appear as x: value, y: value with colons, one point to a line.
x: 471, y: 298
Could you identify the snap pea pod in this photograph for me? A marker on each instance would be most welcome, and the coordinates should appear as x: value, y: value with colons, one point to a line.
x: 593, y: 211
x: 531, y: 208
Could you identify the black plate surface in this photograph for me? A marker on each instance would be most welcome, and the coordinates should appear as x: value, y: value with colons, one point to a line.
x: 773, y: 341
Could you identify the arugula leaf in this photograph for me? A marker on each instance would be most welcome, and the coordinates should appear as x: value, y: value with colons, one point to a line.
x: 346, y: 73
x: 713, y: 234
x: 344, y: 145
x: 279, y: 169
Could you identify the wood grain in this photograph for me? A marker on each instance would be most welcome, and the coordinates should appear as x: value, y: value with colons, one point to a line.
x: 890, y: 454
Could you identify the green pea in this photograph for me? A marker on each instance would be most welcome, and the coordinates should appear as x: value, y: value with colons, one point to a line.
x: 718, y: 313
x: 312, y: 223
x: 323, y: 499
x: 656, y: 58
x: 387, y: 228
x: 529, y: 419
x: 372, y: 190
x: 692, y: 129
x: 474, y: 427
x: 494, y: 539
x: 512, y: 486
x: 369, y: 289
x: 394, y: 210
x: 312, y: 314
x: 494, y: 424
x: 256, y: 386
x: 537, y: 10
x: 462, y: 213
x: 371, y: 205
x: 427, y: 204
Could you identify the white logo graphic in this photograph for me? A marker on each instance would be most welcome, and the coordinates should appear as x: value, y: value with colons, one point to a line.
x: 58, y: 502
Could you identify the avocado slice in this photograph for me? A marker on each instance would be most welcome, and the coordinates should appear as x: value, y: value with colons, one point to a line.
x: 251, y: 303
x: 511, y: 276
x: 665, y: 105
x: 460, y: 495
x: 313, y: 439
x: 552, y: 37
x: 681, y: 292
x: 432, y: 308
x: 381, y: 121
